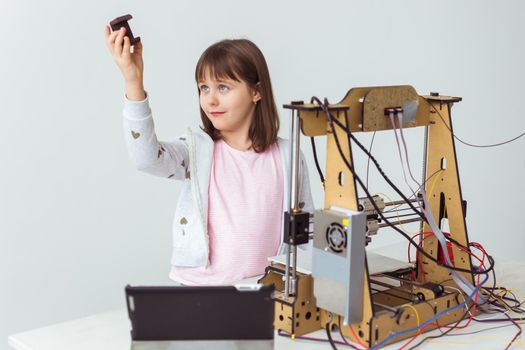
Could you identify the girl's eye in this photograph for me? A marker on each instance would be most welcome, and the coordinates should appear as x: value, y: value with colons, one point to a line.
x: 223, y: 88
x: 204, y: 88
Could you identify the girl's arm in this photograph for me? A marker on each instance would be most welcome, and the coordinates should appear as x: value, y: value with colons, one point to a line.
x: 165, y: 159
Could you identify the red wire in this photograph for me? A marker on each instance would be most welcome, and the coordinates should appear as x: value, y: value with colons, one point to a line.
x: 356, y: 338
x: 477, y: 246
x: 477, y: 293
x: 420, y: 265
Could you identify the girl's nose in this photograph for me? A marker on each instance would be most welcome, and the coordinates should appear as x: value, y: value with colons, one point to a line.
x: 212, y: 100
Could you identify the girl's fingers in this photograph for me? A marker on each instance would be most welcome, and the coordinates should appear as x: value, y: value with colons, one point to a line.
x: 110, y: 38
x: 117, y: 49
x: 137, y: 48
x: 126, y: 49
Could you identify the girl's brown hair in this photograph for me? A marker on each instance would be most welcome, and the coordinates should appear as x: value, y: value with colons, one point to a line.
x: 241, y: 60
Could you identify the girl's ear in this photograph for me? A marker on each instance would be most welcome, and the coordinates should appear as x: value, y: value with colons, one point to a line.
x: 256, y: 93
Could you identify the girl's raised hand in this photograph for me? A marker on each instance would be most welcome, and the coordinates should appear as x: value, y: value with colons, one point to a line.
x: 129, y: 63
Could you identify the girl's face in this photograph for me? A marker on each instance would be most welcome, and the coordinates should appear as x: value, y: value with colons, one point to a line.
x: 228, y: 104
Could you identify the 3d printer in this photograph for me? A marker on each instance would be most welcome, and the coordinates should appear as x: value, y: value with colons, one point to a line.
x: 337, y: 289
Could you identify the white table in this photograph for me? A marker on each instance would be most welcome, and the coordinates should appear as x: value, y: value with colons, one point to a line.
x: 111, y: 330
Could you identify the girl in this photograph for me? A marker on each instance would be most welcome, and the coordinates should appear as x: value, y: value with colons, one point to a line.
x: 235, y: 171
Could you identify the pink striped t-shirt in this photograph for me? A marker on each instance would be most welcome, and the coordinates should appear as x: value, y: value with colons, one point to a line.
x: 245, y: 212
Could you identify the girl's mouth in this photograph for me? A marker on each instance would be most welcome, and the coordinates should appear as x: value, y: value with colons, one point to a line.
x: 217, y: 114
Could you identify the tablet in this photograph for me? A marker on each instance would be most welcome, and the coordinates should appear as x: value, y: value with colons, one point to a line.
x: 184, y: 317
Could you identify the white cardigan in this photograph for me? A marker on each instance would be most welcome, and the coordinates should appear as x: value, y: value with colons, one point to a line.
x: 189, y: 159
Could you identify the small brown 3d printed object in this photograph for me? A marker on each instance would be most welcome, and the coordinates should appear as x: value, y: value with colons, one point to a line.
x: 122, y: 21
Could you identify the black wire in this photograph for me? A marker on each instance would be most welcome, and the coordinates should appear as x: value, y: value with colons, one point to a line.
x: 470, y: 144
x: 368, y: 161
x: 499, y: 301
x: 493, y: 298
x: 344, y: 338
x: 350, y: 167
x: 351, y: 136
x: 516, y: 307
x: 493, y: 284
x: 499, y: 319
x: 330, y: 336
x: 317, y: 161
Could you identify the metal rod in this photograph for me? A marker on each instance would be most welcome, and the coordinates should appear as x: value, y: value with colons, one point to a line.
x: 415, y: 283
x: 287, y: 271
x: 295, y: 158
x: 385, y: 292
x: 294, y: 202
x: 294, y: 271
x: 386, y: 307
x: 400, y: 222
x: 425, y: 151
x: 400, y: 216
x: 424, y: 172
x: 294, y: 199
x: 383, y: 284
x: 395, y: 210
x: 387, y: 204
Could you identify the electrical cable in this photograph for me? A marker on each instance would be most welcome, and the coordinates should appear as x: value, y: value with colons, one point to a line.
x: 368, y: 161
x: 317, y: 161
x: 516, y: 308
x: 344, y: 338
x: 393, y: 123
x: 329, y: 335
x: 499, y: 319
x: 470, y: 144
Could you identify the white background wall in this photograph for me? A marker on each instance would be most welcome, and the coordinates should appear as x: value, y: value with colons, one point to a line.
x: 78, y: 222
